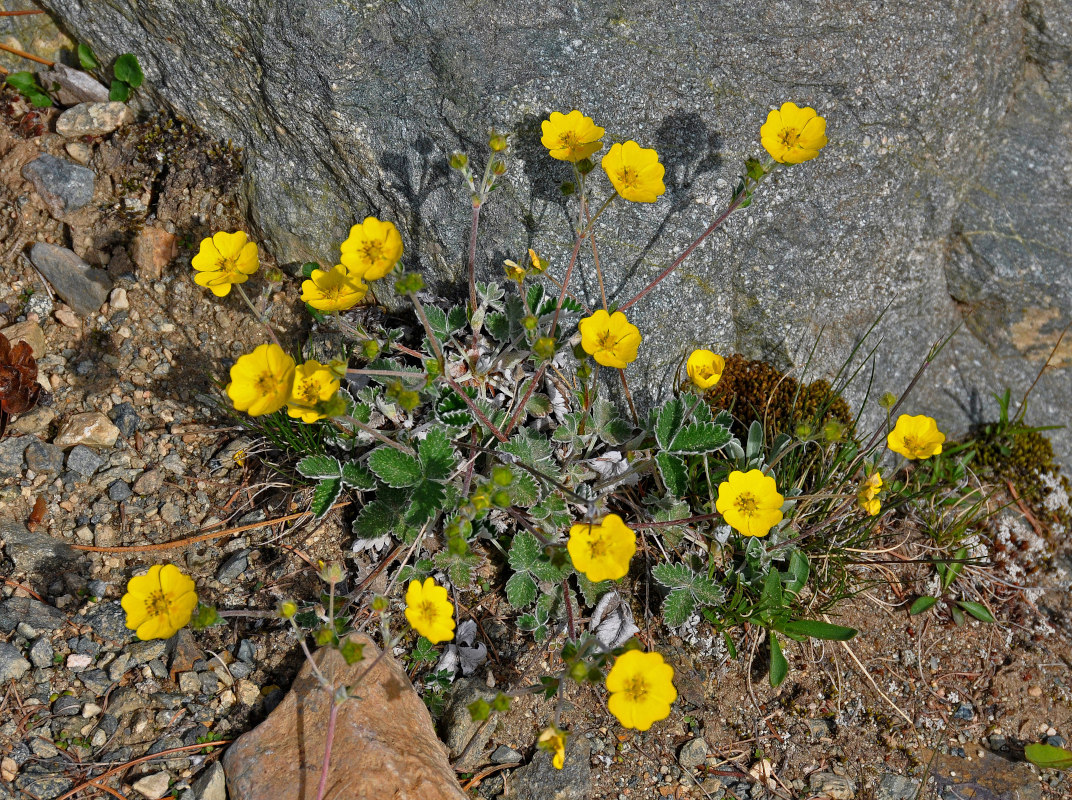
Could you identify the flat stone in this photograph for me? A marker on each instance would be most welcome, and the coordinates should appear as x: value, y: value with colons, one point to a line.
x: 26, y: 610
x: 210, y: 784
x: 41, y: 653
x: 35, y: 552
x: 75, y: 85
x: 144, y: 652
x: 539, y: 780
x: 118, y: 491
x: 108, y: 620
x: 985, y: 775
x: 82, y: 287
x: 11, y: 455
x: 93, y: 119
x: 44, y: 458
x: 835, y: 787
x: 36, y: 421
x: 896, y: 787
x: 83, y: 461
x: 506, y: 755
x: 124, y: 416
x: 91, y: 428
x: 384, y: 734
x: 66, y: 317
x: 117, y: 300
x: 153, y: 787
x: 96, y: 680
x: 12, y: 665
x: 148, y: 482
x: 29, y: 332
x: 153, y: 249
x: 234, y: 565
x: 65, y: 187
x: 80, y: 152
x: 67, y: 705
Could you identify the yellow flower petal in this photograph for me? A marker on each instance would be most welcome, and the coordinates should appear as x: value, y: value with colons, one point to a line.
x: 749, y: 502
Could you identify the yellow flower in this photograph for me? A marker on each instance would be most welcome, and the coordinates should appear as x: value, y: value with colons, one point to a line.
x: 429, y: 611
x: 335, y: 289
x: 554, y: 741
x: 513, y: 271
x: 602, y: 551
x: 159, y: 602
x: 538, y: 264
x: 224, y: 259
x: 314, y: 385
x: 372, y: 249
x: 641, y: 687
x: 916, y: 437
x: 705, y: 368
x: 868, y: 496
x: 261, y: 380
x: 749, y: 502
x: 793, y: 134
x: 610, y: 338
x: 635, y: 172
x: 572, y: 136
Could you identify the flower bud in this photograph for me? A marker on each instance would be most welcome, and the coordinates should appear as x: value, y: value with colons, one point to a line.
x: 888, y: 400
x: 536, y: 264
x: 287, y: 609
x: 501, y: 498
x: 584, y: 371
x: 331, y: 572
x: 579, y: 671
x: 408, y: 399
x: 498, y: 167
x: 567, y: 188
x: 530, y: 322
x: 544, y: 348
x: 409, y: 283
x: 497, y: 142
x: 370, y: 348
x: 379, y: 603
x: 459, y: 160
x: 274, y: 275
x: 502, y: 476
x: 834, y: 431
x: 585, y: 165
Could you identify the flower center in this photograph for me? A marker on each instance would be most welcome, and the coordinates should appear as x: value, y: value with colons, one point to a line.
x: 606, y: 340
x: 265, y: 383
x: 156, y: 604
x: 706, y: 372
x: 789, y: 136
x: 637, y: 688
x: 569, y: 140
x: 746, y: 504
x: 597, y: 547
x: 628, y: 177
x: 427, y: 609
x: 912, y: 443
x: 307, y: 392
x: 373, y: 251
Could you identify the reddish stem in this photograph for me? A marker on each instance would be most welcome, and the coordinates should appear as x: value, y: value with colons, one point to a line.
x: 328, y: 739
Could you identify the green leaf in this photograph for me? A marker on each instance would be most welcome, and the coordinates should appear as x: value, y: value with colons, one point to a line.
x: 520, y: 590
x: 593, y: 591
x: 754, y: 445
x: 456, y: 318
x: 977, y: 610
x: 498, y: 326
x: 958, y: 616
x: 708, y: 593
x: 701, y: 437
x: 205, y: 617
x: 779, y: 667
x: 352, y: 651
x: 86, y: 57
x: 119, y: 91
x: 479, y: 710
x: 324, y: 496
x: 428, y: 498
x: 1046, y: 756
x: 437, y: 321
x: 424, y: 652
x: 436, y: 455
x: 534, y: 297
x: 24, y: 82
x: 671, y: 416
x: 539, y: 405
x: 524, y: 552
x: 524, y: 491
x: 797, y: 572
x: 677, y: 607
x: 459, y: 568
x: 922, y: 604
x: 545, y: 570
x: 674, y: 576
x: 319, y: 467
x: 815, y: 629
x: 376, y: 519
x: 674, y: 473
x: 128, y: 70
x: 39, y: 100
x: 394, y: 467
x: 571, y: 305
x: 355, y: 476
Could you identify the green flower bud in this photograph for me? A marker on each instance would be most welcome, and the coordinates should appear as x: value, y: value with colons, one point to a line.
x: 431, y: 366
x: 370, y: 348
x: 274, y: 275
x: 530, y: 322
x: 544, y: 348
x: 501, y: 498
x: 585, y: 165
x: 459, y: 160
x: 579, y: 671
x: 497, y: 142
x: 804, y: 431
x: 331, y: 572
x: 409, y: 283
x: 408, y: 399
x: 502, y: 476
x: 888, y: 400
x: 498, y: 167
x: 379, y: 603
x: 324, y: 636
x: 584, y: 370
x: 287, y: 609
x: 834, y: 431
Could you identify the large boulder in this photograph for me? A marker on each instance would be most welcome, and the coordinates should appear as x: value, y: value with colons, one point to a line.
x: 349, y: 108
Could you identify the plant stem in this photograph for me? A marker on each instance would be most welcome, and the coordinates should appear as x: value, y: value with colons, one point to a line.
x: 629, y: 398
x: 428, y: 331
x: 375, y: 434
x: 30, y: 56
x: 257, y: 314
x: 390, y: 373
x: 329, y: 737
x: 472, y: 256
x: 476, y: 411
x: 688, y: 250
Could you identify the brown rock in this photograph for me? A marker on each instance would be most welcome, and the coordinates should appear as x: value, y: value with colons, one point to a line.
x: 384, y: 746
x: 91, y: 428
x: 983, y: 776
x: 29, y: 332
x: 93, y: 119
x: 153, y: 250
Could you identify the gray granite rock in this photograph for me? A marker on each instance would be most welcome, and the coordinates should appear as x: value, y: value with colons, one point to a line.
x: 39, y: 616
x: 210, y: 784
x: 108, y: 620
x: 36, y: 552
x: 926, y: 200
x: 83, y: 460
x: 93, y: 119
x: 43, y: 458
x: 41, y: 653
x: 896, y: 787
x: 65, y: 187
x: 539, y: 780
x: 12, y: 665
x: 75, y: 85
x: 12, y: 451
x: 82, y: 287
x: 118, y: 491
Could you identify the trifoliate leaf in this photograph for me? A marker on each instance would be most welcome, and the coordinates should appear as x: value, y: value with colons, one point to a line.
x: 355, y: 476
x: 571, y: 305
x: 520, y: 590
x: 427, y: 498
x: 394, y: 467
x: 674, y: 576
x: 325, y: 494
x: 319, y: 467
x: 459, y: 568
x: 675, y: 476
x: 678, y: 607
